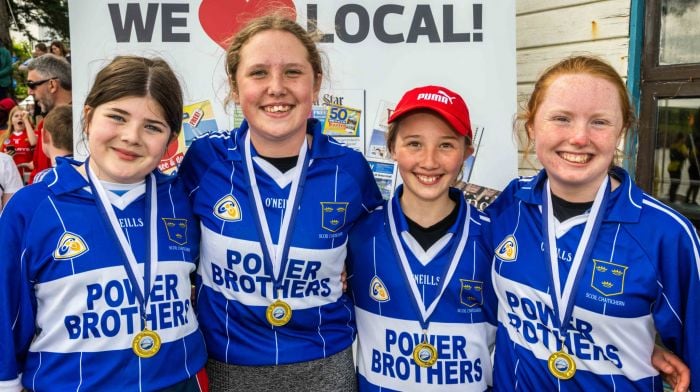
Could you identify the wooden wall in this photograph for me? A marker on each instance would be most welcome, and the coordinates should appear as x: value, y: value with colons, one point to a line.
x: 549, y: 30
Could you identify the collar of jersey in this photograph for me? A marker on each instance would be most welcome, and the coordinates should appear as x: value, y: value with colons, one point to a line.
x: 68, y: 179
x: 625, y: 202
x: 323, y: 146
x: 402, y: 224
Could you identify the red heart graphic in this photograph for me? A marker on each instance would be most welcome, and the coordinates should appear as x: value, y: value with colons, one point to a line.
x: 221, y: 19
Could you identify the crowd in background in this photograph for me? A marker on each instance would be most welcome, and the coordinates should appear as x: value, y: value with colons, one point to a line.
x: 22, y: 145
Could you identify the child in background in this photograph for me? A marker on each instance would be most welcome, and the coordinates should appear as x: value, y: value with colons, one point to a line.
x: 57, y: 136
x: 21, y: 140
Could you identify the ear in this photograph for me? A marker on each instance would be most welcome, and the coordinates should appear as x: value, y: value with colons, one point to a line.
x: 317, y: 85
x: 53, y: 85
x: 234, y: 91
x: 468, y: 152
x: 87, y: 113
x: 45, y: 136
x: 530, y: 133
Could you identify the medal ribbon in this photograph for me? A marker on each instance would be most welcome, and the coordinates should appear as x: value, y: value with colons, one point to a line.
x: 276, y: 257
x: 142, y: 287
x: 562, y: 299
x: 455, y: 254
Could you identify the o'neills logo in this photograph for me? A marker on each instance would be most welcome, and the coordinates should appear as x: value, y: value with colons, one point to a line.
x: 441, y: 96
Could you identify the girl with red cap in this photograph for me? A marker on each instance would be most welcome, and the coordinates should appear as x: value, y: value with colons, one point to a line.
x: 417, y: 268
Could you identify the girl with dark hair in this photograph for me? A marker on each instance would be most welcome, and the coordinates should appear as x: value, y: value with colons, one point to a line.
x: 94, y: 278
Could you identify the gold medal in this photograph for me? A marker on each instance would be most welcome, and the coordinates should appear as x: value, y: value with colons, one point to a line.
x: 278, y: 313
x: 562, y: 365
x: 146, y: 343
x: 425, y: 355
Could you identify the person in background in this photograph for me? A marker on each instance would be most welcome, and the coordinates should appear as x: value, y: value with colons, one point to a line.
x: 58, y: 136
x: 59, y: 49
x: 21, y: 140
x: 585, y: 278
x: 418, y: 267
x: 694, y: 161
x: 49, y: 82
x: 40, y: 49
x: 10, y: 179
x: 95, y: 274
x: 5, y: 71
x: 6, y: 105
x: 276, y: 199
x: 678, y: 153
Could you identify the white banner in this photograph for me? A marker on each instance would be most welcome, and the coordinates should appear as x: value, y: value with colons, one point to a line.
x: 376, y: 50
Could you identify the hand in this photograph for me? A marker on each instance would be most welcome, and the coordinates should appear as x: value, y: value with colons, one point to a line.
x: 344, y: 279
x: 672, y: 369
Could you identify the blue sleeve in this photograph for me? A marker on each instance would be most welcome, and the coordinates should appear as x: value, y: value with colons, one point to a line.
x: 371, y: 196
x: 490, y: 305
x: 17, y: 309
x: 677, y: 309
x: 196, y: 162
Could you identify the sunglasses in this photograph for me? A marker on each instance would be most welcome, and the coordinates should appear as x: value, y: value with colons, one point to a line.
x: 33, y: 85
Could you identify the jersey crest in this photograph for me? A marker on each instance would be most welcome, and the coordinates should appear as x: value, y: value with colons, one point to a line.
x: 471, y: 293
x: 377, y: 290
x: 507, y: 250
x: 608, y: 278
x: 70, y: 245
x: 176, y: 229
x: 333, y: 215
x: 228, y: 209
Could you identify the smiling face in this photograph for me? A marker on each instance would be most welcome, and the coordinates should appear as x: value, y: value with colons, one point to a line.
x: 576, y: 129
x: 275, y: 86
x: 127, y: 138
x: 429, y: 155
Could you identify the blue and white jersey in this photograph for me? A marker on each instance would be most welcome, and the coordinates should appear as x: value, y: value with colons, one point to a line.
x: 462, y: 326
x: 68, y: 311
x: 235, y: 283
x: 641, y: 278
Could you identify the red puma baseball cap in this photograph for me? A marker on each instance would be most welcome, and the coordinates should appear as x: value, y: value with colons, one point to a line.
x: 443, y: 101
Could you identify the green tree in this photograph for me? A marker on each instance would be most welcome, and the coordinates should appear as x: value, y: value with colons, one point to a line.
x: 18, y: 13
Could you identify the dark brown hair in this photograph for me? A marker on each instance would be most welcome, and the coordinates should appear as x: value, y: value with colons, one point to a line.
x: 134, y: 76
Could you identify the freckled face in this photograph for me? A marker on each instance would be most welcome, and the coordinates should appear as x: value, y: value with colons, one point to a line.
x: 429, y: 155
x: 576, y: 130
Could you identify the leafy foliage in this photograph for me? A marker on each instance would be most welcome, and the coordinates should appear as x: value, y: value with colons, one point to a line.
x: 48, y: 13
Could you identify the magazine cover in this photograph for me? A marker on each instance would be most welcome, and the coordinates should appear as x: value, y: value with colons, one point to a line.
x: 340, y: 111
x: 376, y: 141
x: 197, y: 119
x: 385, y: 175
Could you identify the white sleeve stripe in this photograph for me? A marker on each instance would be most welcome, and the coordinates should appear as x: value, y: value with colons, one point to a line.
x: 693, y: 238
x: 35, y: 373
x: 669, y: 303
x: 629, y: 195
x: 184, y: 346
x: 320, y: 321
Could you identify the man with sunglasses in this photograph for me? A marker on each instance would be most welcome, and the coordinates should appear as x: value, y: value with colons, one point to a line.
x: 49, y: 82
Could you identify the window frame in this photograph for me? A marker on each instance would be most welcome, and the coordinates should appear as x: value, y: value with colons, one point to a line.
x: 658, y: 82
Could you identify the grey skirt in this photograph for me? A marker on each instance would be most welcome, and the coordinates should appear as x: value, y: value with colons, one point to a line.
x: 333, y: 374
